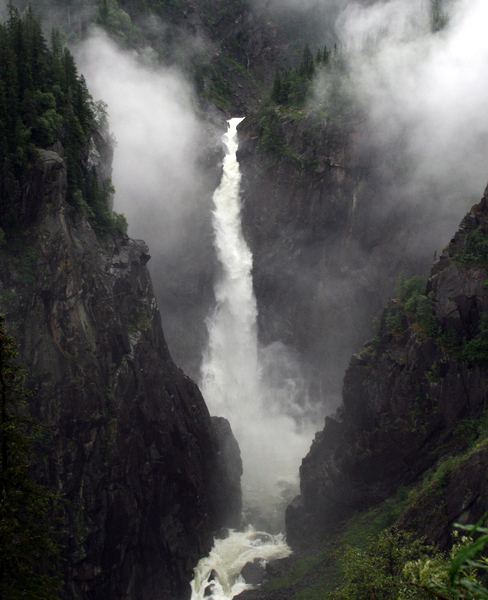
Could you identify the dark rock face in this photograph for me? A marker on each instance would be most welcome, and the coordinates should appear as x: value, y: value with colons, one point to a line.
x: 231, y: 467
x: 404, y: 397
x: 320, y: 275
x: 132, y: 445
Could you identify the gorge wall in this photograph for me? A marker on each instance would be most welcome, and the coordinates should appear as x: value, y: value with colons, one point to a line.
x: 148, y: 477
x: 326, y: 251
x: 413, y: 399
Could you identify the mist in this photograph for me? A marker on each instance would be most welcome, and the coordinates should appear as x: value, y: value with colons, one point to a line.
x: 158, y: 139
x: 425, y: 97
x: 257, y: 389
x: 162, y: 180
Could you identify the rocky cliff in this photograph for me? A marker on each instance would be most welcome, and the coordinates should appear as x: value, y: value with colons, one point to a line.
x: 325, y: 257
x: 413, y: 408
x: 130, y: 443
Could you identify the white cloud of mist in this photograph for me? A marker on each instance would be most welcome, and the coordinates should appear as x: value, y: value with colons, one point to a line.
x: 158, y: 135
x: 429, y: 91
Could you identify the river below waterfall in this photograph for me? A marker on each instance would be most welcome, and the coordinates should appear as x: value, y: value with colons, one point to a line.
x: 219, y: 574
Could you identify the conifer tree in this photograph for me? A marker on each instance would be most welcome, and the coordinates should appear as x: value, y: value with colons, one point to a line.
x: 276, y: 89
x: 325, y: 55
x: 307, y: 64
x: 43, y: 99
x: 28, y: 539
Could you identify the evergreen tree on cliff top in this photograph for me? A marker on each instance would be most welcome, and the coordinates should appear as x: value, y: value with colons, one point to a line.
x: 28, y: 540
x: 44, y: 103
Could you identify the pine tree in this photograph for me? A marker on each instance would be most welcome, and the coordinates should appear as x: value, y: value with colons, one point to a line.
x: 28, y: 539
x: 276, y: 89
x: 307, y: 64
x: 325, y: 55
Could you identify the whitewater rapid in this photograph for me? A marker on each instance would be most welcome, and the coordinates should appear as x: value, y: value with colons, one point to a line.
x: 218, y: 574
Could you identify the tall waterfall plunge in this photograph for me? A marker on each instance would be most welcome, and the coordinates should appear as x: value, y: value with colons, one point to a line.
x: 256, y: 389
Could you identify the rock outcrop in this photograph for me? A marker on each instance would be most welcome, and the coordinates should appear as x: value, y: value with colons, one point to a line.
x: 131, y: 444
x: 413, y: 397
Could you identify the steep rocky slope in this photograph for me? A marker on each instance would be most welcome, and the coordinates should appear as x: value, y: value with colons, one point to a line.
x: 130, y: 444
x: 413, y: 401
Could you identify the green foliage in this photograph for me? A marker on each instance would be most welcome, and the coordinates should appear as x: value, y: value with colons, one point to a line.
x: 119, y: 223
x: 212, y: 85
x: 469, y: 430
x: 395, y: 319
x: 413, y: 309
x: 271, y: 138
x: 450, y: 341
x: 397, y: 564
x: 408, y: 289
x: 47, y: 101
x: 444, y: 468
x: 377, y: 572
x: 475, y: 251
x: 296, y: 573
x: 118, y: 23
x: 465, y: 575
x: 476, y: 350
x: 365, y: 526
x: 293, y: 85
x: 432, y: 374
x: 28, y: 539
x: 418, y: 305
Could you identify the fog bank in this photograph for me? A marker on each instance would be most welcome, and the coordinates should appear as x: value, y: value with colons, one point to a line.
x: 425, y: 97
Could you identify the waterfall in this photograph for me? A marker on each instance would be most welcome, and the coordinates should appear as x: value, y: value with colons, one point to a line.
x: 250, y: 386
x: 257, y: 390
x: 230, y: 372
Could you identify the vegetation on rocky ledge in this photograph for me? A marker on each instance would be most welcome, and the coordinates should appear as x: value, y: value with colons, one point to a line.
x: 45, y: 103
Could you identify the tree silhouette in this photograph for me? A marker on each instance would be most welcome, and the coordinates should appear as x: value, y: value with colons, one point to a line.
x: 28, y: 538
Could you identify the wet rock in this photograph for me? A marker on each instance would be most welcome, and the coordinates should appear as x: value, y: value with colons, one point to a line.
x: 254, y: 573
x: 404, y: 397
x: 222, y: 534
x: 132, y: 446
x: 230, y: 464
x: 209, y: 590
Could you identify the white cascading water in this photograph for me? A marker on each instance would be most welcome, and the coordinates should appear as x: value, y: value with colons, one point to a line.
x: 233, y: 382
x: 264, y: 413
x: 218, y: 574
